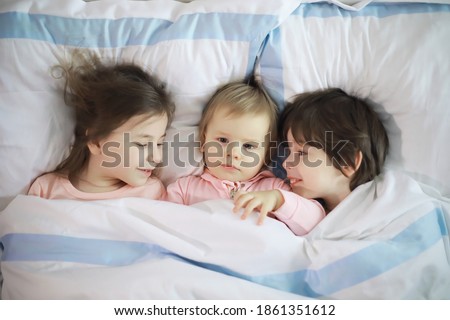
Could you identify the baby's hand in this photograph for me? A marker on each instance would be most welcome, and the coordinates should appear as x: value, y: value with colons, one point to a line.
x: 263, y: 201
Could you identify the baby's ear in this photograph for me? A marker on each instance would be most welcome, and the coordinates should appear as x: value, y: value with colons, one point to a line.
x: 202, y: 143
x: 349, y: 171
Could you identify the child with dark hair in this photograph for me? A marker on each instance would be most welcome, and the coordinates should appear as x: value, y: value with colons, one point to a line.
x: 122, y: 114
x: 336, y: 143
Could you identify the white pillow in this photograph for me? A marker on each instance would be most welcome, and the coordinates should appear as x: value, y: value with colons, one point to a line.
x: 194, y: 47
x: 396, y: 55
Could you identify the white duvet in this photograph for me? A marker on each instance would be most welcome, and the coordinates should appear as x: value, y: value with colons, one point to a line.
x: 387, y: 240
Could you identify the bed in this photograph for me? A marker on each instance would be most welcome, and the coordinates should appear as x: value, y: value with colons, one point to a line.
x: 388, y: 240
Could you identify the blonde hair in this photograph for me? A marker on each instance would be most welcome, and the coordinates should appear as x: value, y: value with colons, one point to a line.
x: 243, y: 97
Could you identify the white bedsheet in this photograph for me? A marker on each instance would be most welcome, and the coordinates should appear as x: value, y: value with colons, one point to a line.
x: 387, y: 240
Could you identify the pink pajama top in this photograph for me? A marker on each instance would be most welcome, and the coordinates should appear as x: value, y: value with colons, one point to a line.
x: 55, y: 186
x: 298, y: 213
x: 301, y: 215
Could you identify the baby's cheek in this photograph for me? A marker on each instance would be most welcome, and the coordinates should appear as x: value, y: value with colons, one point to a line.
x: 213, y: 152
x: 254, y: 156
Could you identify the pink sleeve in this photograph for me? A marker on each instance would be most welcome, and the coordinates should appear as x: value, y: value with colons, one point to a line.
x: 271, y: 183
x: 280, y: 184
x: 175, y: 191
x: 301, y: 215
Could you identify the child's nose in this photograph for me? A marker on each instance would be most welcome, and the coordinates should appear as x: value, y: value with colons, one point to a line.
x: 236, y: 152
x: 287, y: 163
x: 155, y: 154
x: 233, y: 150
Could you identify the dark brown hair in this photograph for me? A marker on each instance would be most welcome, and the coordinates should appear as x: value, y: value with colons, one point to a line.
x: 315, y: 117
x: 104, y: 97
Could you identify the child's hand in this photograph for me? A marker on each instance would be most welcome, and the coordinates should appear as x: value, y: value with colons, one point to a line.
x: 263, y: 201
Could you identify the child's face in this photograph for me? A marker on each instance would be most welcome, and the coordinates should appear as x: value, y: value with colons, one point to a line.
x: 132, y: 151
x: 312, y: 174
x: 235, y: 146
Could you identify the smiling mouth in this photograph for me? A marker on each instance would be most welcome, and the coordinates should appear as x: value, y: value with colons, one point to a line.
x: 294, y: 181
x: 146, y: 171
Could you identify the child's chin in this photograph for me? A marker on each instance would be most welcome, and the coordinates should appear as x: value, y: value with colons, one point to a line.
x: 230, y: 176
x: 300, y: 191
x: 138, y: 183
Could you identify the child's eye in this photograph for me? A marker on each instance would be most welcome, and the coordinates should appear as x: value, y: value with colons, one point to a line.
x: 301, y: 153
x: 249, y: 146
x: 139, y: 145
x: 222, y: 140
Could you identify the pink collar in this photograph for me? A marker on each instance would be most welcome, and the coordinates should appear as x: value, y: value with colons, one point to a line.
x: 206, y: 175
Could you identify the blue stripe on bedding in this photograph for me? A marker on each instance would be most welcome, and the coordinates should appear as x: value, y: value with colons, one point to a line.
x: 358, y: 267
x: 379, y: 10
x: 112, y: 33
x: 371, y: 261
x: 132, y: 31
x: 271, y: 64
x: 42, y: 247
x: 327, y: 10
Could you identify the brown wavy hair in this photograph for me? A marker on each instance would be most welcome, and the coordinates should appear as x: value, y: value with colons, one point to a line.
x: 104, y: 97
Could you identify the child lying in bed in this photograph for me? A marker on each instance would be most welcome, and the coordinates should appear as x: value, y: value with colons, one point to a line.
x: 237, y: 129
x: 122, y: 114
x: 336, y: 143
